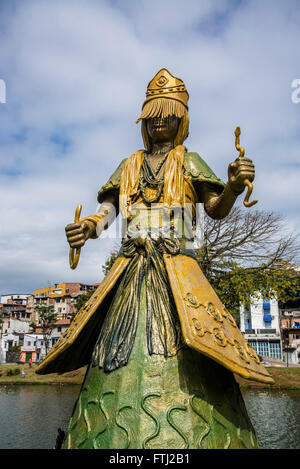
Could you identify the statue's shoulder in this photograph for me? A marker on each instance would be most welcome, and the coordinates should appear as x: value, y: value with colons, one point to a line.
x: 117, y: 174
x: 113, y: 184
x: 198, y: 170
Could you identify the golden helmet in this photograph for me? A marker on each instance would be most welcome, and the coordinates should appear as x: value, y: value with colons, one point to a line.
x: 166, y: 95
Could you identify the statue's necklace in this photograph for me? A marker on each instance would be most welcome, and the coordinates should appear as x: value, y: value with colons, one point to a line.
x: 149, y: 178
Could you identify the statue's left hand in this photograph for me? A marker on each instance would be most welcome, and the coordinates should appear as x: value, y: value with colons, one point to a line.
x: 242, y: 168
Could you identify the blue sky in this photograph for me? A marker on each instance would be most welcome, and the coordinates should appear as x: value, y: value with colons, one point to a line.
x: 76, y: 75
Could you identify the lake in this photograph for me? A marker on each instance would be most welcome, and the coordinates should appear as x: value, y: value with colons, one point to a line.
x: 31, y: 414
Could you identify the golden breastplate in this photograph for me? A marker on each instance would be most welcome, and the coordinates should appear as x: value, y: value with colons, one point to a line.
x: 160, y: 219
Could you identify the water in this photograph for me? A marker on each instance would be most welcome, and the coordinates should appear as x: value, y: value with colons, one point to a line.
x: 275, y: 416
x: 31, y: 414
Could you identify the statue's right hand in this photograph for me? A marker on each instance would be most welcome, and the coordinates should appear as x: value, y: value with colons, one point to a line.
x: 77, y: 233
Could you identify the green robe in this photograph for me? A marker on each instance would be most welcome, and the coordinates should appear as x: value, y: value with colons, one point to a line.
x: 194, y: 166
x: 135, y: 396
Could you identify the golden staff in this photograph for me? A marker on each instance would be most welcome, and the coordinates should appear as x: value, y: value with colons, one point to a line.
x: 246, y: 181
x: 73, y: 259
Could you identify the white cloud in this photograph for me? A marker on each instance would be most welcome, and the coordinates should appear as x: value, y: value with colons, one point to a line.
x: 76, y: 76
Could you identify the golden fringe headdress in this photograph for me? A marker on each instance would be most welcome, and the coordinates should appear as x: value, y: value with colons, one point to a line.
x: 166, y: 96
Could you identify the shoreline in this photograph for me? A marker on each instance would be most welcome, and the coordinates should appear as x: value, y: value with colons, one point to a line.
x: 37, y: 383
x: 31, y: 378
x: 286, y: 378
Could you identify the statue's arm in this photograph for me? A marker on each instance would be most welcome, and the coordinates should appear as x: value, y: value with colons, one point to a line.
x: 218, y: 205
x: 93, y: 225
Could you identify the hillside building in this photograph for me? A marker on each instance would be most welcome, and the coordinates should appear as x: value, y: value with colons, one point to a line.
x: 260, y: 324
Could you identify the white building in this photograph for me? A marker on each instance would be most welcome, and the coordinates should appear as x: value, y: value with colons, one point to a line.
x: 34, y: 343
x: 15, y: 298
x: 62, y: 308
x: 15, y: 326
x: 7, y: 341
x: 260, y: 324
x: 11, y: 331
x: 290, y: 327
x: 57, y: 331
x: 33, y: 347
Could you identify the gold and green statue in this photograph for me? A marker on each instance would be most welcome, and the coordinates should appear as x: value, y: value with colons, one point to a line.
x: 160, y: 346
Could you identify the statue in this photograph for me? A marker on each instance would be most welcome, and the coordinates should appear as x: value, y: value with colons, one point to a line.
x: 161, y: 348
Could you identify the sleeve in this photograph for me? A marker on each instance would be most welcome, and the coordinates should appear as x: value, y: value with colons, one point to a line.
x: 199, y: 172
x: 113, y: 184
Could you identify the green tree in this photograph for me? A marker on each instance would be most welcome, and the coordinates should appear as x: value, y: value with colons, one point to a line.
x: 46, y: 317
x: 109, y: 261
x: 32, y: 326
x: 82, y: 299
x: 80, y: 302
x: 249, y: 253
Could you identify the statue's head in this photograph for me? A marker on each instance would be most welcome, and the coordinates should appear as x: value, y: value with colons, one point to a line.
x: 165, y: 111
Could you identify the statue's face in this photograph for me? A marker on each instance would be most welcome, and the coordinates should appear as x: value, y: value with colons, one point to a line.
x: 162, y: 130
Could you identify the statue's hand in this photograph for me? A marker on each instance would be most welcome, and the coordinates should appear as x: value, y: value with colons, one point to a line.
x: 242, y: 168
x: 78, y: 233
